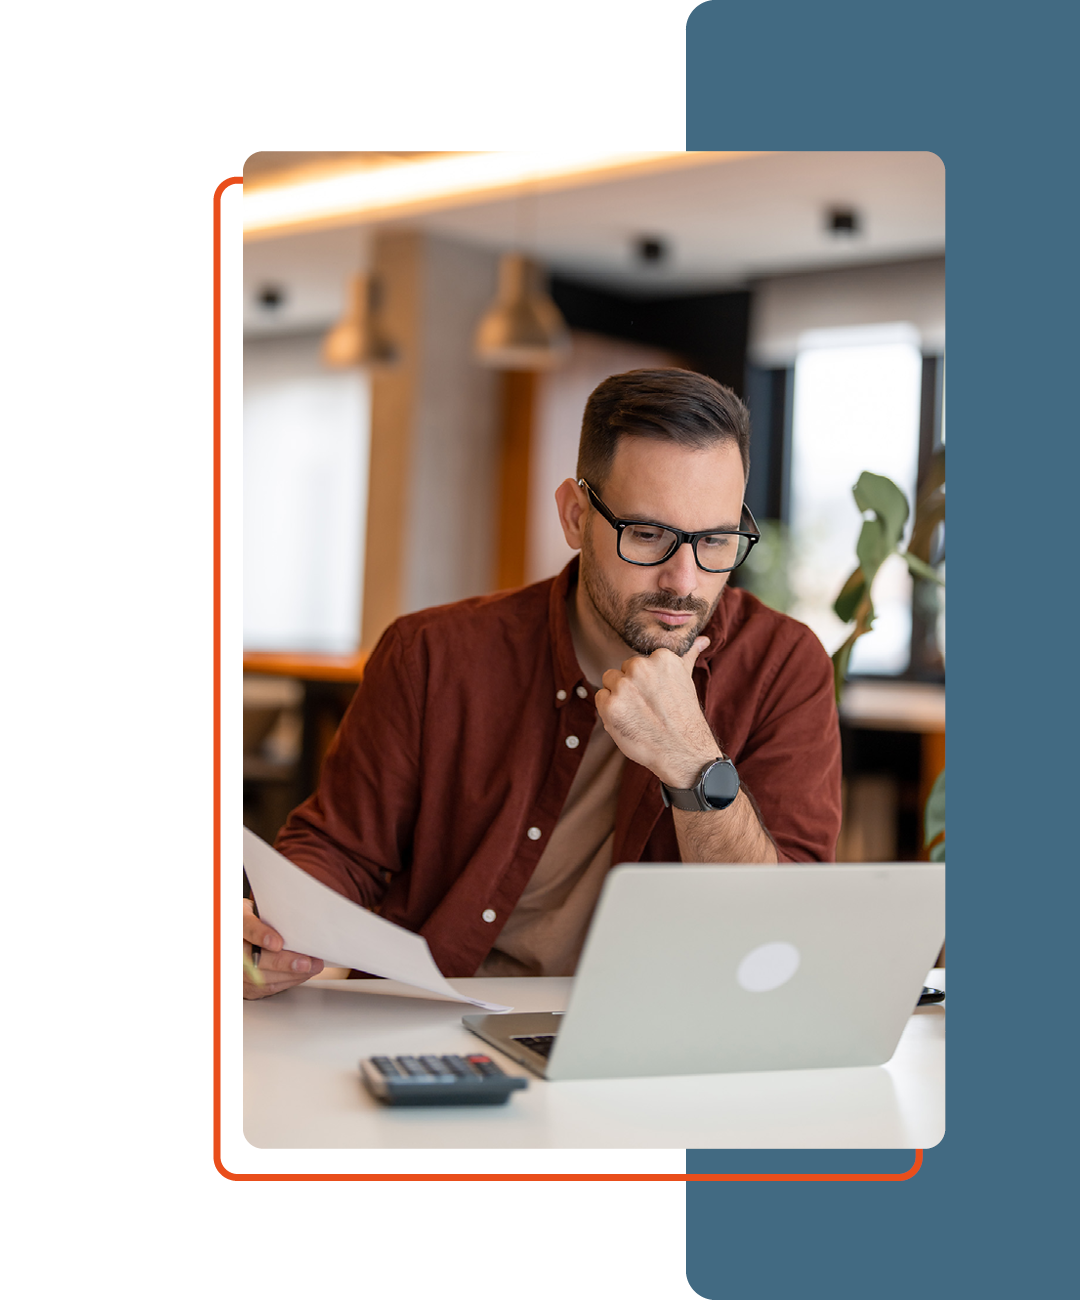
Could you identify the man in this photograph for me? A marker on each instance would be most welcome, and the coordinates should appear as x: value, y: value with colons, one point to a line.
x: 502, y: 753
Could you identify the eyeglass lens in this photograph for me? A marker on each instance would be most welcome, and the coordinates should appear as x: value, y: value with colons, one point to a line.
x: 646, y: 544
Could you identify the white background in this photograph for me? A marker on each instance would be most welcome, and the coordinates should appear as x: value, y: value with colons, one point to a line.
x: 121, y: 119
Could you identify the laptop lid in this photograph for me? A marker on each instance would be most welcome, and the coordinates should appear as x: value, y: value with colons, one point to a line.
x: 706, y: 969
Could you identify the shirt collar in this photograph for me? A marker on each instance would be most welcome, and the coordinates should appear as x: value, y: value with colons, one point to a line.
x: 716, y: 629
x: 568, y: 674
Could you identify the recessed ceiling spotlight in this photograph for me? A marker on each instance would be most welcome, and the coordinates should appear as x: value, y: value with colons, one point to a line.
x: 270, y: 297
x: 842, y: 221
x: 651, y: 249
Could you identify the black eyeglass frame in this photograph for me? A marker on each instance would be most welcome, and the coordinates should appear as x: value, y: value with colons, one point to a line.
x: 681, y: 538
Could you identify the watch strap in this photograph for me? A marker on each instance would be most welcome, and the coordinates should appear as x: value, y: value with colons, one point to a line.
x: 688, y: 800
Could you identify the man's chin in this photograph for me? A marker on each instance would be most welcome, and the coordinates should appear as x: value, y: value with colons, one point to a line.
x: 647, y: 639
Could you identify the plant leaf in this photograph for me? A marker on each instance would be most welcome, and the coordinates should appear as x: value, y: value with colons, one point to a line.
x: 872, y: 548
x: 880, y: 494
x: 934, y: 818
x: 937, y: 853
x: 851, y: 593
x: 864, y: 623
x: 878, y: 539
x: 839, y: 665
x: 920, y: 569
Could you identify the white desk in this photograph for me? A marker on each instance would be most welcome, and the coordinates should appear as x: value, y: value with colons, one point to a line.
x: 302, y: 1087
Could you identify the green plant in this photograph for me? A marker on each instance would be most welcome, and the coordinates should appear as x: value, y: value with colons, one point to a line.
x: 934, y: 821
x: 879, y: 538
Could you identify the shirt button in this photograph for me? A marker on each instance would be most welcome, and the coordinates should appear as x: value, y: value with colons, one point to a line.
x: 582, y: 692
x: 572, y: 742
x: 533, y: 832
x: 560, y: 695
x: 487, y: 914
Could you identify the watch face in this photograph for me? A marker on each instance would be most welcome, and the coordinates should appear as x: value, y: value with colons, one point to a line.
x: 721, y: 784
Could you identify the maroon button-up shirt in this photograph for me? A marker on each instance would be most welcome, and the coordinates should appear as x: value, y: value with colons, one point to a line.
x: 455, y: 746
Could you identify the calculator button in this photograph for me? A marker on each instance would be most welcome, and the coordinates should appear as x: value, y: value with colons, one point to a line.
x: 485, y: 1066
x: 433, y: 1080
x: 411, y: 1066
x: 434, y: 1065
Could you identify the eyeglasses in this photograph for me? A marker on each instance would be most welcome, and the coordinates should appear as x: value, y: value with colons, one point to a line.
x: 716, y: 550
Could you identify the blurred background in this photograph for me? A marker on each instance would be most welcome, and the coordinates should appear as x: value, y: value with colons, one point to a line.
x: 421, y: 332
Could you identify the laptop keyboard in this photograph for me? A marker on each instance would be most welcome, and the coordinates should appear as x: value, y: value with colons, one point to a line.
x: 538, y: 1042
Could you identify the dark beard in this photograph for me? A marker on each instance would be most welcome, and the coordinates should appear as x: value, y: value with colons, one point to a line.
x: 628, y: 620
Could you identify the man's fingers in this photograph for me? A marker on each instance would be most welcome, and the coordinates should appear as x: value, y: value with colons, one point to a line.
x: 288, y: 963
x: 277, y: 968
x: 690, y: 658
x: 602, y: 701
x: 280, y: 980
x: 267, y: 988
x: 266, y: 980
x: 258, y: 932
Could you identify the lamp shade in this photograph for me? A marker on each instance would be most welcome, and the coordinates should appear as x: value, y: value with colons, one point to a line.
x: 523, y: 329
x: 356, y: 339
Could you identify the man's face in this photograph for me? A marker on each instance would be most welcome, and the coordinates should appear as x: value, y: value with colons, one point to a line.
x: 668, y: 604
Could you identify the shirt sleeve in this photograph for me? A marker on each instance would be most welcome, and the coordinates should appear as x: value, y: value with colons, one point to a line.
x: 791, y: 763
x: 356, y: 831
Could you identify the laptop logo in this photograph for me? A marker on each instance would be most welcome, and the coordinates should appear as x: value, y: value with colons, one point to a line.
x: 767, y: 967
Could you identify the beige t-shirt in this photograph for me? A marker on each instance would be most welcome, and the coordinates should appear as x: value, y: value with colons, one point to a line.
x: 546, y: 930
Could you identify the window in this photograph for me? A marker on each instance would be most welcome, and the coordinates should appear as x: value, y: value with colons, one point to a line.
x: 856, y: 407
x: 306, y: 440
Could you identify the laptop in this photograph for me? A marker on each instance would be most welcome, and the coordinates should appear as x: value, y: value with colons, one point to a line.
x: 710, y: 969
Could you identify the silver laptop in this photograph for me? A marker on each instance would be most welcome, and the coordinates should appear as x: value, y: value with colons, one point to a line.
x: 710, y: 969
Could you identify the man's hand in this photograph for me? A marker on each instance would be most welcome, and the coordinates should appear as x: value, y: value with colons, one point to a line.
x: 650, y: 709
x: 277, y: 969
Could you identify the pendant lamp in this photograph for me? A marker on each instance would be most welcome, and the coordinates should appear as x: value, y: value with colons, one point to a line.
x: 357, y: 340
x: 523, y: 329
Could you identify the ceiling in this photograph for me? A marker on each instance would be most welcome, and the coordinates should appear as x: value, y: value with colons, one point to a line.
x: 269, y: 168
x: 722, y: 225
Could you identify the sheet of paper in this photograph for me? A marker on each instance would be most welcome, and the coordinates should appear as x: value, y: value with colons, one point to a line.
x: 316, y: 920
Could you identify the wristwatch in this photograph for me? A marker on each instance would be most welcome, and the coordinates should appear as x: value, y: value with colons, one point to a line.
x: 716, y: 788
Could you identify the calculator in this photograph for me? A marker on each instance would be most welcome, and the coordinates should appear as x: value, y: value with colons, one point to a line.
x: 438, y: 1080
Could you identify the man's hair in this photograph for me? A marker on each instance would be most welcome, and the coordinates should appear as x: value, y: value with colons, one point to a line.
x: 673, y: 405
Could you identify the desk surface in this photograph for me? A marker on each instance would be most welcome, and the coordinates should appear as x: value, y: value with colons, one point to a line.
x: 302, y: 1086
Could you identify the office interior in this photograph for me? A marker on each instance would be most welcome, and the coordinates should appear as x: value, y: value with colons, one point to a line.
x: 390, y: 464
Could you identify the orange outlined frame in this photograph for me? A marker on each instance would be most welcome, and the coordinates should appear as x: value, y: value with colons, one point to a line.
x: 389, y: 1178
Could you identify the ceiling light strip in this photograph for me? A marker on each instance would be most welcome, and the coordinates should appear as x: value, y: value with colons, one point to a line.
x: 383, y: 192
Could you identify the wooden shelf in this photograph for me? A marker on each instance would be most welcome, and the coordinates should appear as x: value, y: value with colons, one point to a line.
x: 308, y: 667
x: 267, y: 769
x: 894, y: 706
